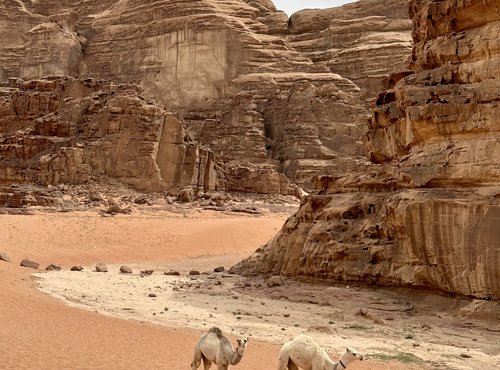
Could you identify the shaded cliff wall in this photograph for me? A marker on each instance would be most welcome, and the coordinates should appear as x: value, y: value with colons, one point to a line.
x: 427, y: 213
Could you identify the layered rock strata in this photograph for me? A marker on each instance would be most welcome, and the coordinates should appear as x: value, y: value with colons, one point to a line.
x: 364, y: 41
x: 427, y: 213
x: 16, y: 20
x: 245, y: 79
x: 64, y: 130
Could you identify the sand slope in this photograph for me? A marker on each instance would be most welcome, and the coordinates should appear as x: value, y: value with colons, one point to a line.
x: 38, y: 331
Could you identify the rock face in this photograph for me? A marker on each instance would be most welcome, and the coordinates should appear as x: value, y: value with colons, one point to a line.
x: 274, y: 100
x: 15, y: 22
x: 64, y: 130
x: 427, y: 213
x: 364, y: 41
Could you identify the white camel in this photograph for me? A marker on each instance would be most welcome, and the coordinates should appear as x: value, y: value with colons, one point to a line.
x: 214, y: 347
x: 303, y: 352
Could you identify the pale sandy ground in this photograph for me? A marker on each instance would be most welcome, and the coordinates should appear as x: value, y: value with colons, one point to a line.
x: 121, y: 327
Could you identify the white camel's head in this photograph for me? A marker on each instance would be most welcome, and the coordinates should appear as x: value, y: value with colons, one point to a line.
x: 351, y: 355
x: 242, y: 344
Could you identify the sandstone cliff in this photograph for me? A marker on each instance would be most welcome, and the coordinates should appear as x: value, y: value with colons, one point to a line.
x: 64, y: 130
x: 364, y: 41
x: 273, y: 99
x: 427, y: 213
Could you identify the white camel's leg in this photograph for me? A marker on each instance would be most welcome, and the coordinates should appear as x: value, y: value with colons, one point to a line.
x: 206, y: 363
x: 196, y: 359
x: 318, y: 365
x: 283, y: 361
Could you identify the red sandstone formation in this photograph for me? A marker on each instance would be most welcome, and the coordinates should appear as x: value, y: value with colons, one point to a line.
x: 63, y: 130
x: 427, y: 212
x: 276, y: 101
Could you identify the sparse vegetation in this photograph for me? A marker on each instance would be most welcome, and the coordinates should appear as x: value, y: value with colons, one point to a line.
x: 404, y: 357
x: 357, y: 327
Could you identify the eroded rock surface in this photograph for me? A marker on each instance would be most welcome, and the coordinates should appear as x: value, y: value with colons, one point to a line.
x: 427, y: 213
x: 64, y: 130
x: 274, y: 100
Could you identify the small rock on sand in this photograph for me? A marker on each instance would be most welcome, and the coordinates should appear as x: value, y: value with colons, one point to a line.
x: 4, y: 257
x: 101, y: 267
x: 29, y: 263
x: 274, y: 281
x: 219, y: 269
x: 53, y: 267
x: 113, y: 206
x: 77, y: 268
x: 172, y: 272
x: 194, y: 272
x: 125, y: 270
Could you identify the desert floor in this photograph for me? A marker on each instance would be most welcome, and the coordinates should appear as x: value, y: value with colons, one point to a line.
x: 90, y: 320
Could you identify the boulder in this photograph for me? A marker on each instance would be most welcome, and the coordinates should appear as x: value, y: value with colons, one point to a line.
x: 29, y: 263
x: 185, y: 195
x: 53, y: 267
x: 274, y: 281
x: 172, y: 273
x: 125, y: 269
x: 4, y: 257
x: 101, y: 267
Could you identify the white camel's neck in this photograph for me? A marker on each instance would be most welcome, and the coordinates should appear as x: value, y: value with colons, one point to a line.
x: 237, y: 355
x: 339, y: 365
x: 330, y: 364
x: 344, y: 361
